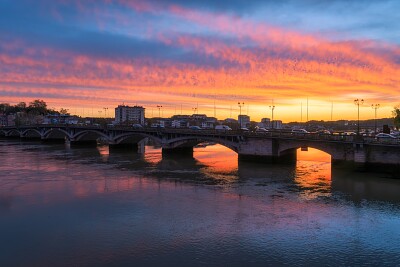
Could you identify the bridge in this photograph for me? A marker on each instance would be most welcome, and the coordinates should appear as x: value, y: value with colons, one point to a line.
x: 274, y: 146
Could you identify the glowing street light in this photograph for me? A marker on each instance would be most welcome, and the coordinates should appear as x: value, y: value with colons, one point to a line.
x: 358, y: 102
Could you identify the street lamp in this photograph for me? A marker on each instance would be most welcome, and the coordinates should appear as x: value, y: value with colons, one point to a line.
x: 159, y: 110
x: 375, y: 106
x: 272, y: 117
x: 240, y: 105
x: 194, y: 110
x: 358, y: 102
x: 105, y: 112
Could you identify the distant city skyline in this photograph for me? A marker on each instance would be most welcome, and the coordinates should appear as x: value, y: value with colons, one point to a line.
x: 204, y: 55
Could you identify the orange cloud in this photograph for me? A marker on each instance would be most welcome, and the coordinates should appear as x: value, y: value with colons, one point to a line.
x: 260, y: 64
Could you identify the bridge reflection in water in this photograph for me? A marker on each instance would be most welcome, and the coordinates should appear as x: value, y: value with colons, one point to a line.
x: 313, y: 173
x: 310, y: 177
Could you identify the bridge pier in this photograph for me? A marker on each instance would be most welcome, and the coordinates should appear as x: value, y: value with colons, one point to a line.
x: 286, y: 158
x: 84, y: 143
x: 30, y: 138
x: 53, y: 140
x: 182, y: 151
x: 124, y: 147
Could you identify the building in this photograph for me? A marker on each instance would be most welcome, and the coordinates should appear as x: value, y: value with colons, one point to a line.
x: 244, y: 121
x: 277, y: 124
x: 3, y: 120
x: 199, y: 117
x: 210, y: 124
x: 201, y: 120
x: 60, y: 119
x: 127, y: 114
x: 230, y: 120
x: 265, y: 123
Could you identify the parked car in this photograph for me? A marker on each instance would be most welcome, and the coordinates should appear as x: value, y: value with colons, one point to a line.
x: 395, y: 133
x: 222, y: 127
x: 349, y: 133
x: 137, y: 126
x: 244, y: 129
x: 261, y: 130
x: 194, y: 128
x: 385, y: 136
x: 322, y: 132
x: 302, y: 131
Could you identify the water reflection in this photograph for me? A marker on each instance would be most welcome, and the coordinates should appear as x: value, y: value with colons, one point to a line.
x: 311, y: 177
x: 360, y: 186
x: 313, y: 173
x: 94, y: 207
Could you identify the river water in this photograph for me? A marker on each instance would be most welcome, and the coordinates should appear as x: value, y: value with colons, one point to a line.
x: 62, y: 206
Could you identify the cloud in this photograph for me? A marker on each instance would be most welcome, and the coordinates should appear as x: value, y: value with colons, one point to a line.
x: 193, y: 52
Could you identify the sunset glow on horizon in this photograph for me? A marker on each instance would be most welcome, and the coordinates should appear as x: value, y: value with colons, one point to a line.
x: 209, y: 55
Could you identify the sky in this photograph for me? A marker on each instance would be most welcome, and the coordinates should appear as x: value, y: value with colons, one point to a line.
x: 203, y: 56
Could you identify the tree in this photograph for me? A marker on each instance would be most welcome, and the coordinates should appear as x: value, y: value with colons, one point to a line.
x: 396, y: 115
x: 21, y: 105
x: 37, y: 107
x: 64, y: 111
x: 5, y: 108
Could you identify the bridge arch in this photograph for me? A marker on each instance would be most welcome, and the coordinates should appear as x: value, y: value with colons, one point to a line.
x: 135, y: 137
x: 89, y: 135
x: 3, y: 133
x: 56, y: 133
x: 31, y: 133
x: 13, y: 133
x: 191, y: 141
x: 287, y: 147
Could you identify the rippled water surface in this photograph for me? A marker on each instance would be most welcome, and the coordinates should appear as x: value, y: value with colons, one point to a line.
x: 62, y: 206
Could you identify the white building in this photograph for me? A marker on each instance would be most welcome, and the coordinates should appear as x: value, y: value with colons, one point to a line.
x: 265, y: 123
x: 277, y: 124
x: 129, y: 114
x: 208, y: 124
x: 244, y: 121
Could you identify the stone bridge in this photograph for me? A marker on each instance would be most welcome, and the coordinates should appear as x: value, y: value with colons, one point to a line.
x: 267, y: 147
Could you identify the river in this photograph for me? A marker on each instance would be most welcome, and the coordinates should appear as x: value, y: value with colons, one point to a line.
x: 62, y: 206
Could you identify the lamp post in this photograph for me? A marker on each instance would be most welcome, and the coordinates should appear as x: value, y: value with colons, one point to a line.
x: 272, y: 115
x: 358, y: 102
x: 105, y: 112
x: 159, y: 110
x: 194, y: 110
x: 375, y: 107
x: 240, y: 105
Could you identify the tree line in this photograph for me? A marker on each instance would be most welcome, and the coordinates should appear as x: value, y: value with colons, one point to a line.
x: 36, y: 107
